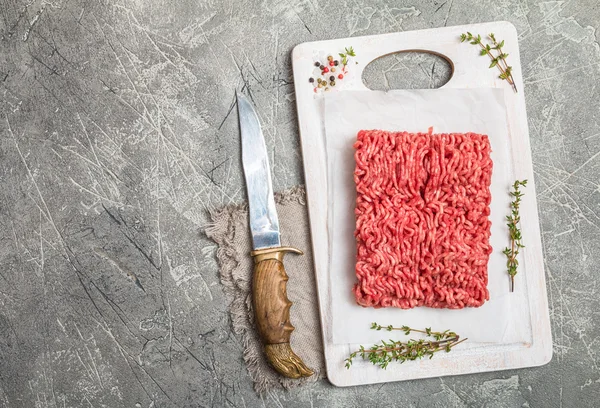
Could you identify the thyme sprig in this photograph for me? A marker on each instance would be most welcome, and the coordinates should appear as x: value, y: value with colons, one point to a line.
x: 497, y: 61
x: 387, y: 351
x: 407, y: 330
x: 349, y: 53
x: 515, y: 232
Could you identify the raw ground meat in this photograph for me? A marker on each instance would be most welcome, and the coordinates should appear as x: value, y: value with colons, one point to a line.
x: 422, y: 219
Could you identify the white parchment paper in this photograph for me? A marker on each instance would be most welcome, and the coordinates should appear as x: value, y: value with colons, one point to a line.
x: 500, y: 320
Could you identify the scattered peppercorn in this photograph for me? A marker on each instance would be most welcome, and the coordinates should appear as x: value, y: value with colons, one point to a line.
x: 327, y: 81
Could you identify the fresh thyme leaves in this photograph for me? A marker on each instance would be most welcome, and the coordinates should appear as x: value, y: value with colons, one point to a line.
x: 497, y: 61
x: 349, y: 53
x: 514, y: 231
x: 387, y: 351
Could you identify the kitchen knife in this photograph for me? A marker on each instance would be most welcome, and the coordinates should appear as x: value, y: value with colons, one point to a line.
x: 271, y: 304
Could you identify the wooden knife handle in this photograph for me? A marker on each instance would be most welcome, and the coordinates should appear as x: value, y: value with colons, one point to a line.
x: 272, y: 311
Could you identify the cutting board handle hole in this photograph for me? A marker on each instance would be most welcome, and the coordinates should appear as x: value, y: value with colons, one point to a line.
x: 408, y: 69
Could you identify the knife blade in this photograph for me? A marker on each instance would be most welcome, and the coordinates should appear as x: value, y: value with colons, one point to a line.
x: 269, y: 294
x: 264, y: 223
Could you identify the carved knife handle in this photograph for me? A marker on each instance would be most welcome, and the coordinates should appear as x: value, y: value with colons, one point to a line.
x: 272, y: 311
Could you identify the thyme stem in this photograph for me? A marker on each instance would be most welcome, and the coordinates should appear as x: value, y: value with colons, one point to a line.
x: 515, y: 234
x: 498, y: 61
x: 387, y: 351
x: 503, y: 59
x: 512, y: 277
x: 500, y: 67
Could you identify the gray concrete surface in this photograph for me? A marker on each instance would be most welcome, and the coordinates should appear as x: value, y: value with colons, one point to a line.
x: 117, y: 135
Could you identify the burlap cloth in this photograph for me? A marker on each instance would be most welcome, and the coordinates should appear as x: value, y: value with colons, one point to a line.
x: 229, y: 229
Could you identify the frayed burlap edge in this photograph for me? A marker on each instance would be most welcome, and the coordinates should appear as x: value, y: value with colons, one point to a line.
x: 221, y: 231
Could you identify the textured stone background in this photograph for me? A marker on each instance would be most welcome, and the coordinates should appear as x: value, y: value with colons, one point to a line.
x: 118, y: 134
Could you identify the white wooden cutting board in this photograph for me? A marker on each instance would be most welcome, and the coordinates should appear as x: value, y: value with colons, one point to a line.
x: 469, y: 71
